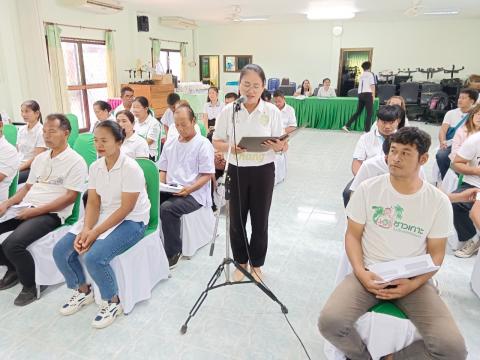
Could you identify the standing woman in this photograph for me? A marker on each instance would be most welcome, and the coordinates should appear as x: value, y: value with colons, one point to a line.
x: 146, y: 125
x: 252, y: 175
x: 116, y: 215
x: 30, y: 141
x: 304, y: 89
x: 211, y: 110
x: 133, y: 145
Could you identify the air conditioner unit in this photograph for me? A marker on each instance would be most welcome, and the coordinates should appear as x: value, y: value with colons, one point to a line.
x: 178, y: 22
x: 97, y: 6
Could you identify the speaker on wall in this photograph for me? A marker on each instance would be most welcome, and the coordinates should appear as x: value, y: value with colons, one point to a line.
x: 142, y: 23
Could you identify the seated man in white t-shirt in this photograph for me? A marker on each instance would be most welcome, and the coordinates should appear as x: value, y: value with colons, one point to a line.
x: 466, y: 162
x: 9, y: 163
x: 289, y: 120
x: 186, y: 160
x: 127, y: 95
x: 390, y: 217
x: 370, y: 144
x: 56, y: 178
x: 453, y: 119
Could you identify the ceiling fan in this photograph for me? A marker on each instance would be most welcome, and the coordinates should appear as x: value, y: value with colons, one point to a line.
x: 414, y: 10
x: 236, y: 17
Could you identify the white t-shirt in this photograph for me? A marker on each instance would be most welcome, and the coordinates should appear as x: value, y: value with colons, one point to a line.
x: 184, y: 162
x: 288, y: 116
x: 28, y: 140
x: 265, y: 120
x: 369, y: 145
x: 452, y: 118
x: 367, y: 79
x: 211, y: 110
x: 326, y: 93
x: 167, y: 118
x: 135, y: 147
x: 374, y: 167
x: 9, y: 163
x: 470, y: 150
x: 52, y: 177
x: 149, y: 129
x: 397, y: 225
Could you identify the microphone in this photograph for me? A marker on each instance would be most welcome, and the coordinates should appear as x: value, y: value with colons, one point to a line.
x: 236, y: 103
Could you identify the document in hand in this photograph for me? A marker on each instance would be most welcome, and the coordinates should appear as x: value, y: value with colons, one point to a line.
x: 13, y: 211
x: 403, y: 268
x: 173, y: 189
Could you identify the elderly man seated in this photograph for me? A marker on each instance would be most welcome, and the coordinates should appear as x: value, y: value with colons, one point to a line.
x: 56, y: 178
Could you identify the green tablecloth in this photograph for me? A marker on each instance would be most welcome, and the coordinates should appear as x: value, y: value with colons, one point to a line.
x: 328, y: 113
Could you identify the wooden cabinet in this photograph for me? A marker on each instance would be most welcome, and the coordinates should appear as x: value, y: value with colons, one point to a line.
x: 156, y: 95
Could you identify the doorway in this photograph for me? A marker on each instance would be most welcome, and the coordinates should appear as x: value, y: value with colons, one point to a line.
x: 349, y: 69
x: 210, y: 70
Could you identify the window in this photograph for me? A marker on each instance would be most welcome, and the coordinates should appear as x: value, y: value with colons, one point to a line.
x: 171, y: 61
x: 86, y: 73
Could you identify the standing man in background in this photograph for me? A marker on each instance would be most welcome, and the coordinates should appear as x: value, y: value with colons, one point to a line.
x: 366, y: 94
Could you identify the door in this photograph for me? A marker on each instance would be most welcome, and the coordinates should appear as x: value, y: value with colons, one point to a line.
x: 349, y: 69
x: 210, y: 70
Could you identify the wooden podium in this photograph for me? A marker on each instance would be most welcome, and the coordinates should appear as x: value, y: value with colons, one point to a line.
x: 156, y: 95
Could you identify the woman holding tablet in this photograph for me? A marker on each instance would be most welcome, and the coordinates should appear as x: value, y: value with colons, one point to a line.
x: 252, y: 174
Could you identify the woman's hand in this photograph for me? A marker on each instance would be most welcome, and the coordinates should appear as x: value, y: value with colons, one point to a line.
x: 275, y: 145
x: 84, y: 240
x: 238, y: 150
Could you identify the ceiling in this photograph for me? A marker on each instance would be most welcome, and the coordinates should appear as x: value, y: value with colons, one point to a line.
x: 218, y: 11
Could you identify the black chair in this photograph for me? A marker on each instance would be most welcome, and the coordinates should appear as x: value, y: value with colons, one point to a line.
x: 285, y: 81
x: 315, y: 91
x: 428, y: 89
x: 409, y: 91
x: 352, y: 92
x: 385, y: 92
x: 287, y: 90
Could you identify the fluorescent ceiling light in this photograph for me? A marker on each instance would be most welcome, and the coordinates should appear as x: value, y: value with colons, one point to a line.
x: 319, y: 12
x: 251, y: 19
x: 450, y: 12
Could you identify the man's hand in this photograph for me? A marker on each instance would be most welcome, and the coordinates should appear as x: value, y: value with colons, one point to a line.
x: 402, y: 288
x: 184, y: 192
x: 84, y: 240
x: 443, y: 145
x: 468, y: 195
x: 3, y: 209
x: 27, y: 213
x: 368, y: 278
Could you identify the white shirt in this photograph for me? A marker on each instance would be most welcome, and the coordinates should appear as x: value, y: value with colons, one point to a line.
x: 9, y: 163
x: 184, y: 162
x: 135, y: 147
x: 94, y: 124
x: 452, y: 118
x: 397, y: 225
x: 167, y: 118
x: 265, y: 120
x: 149, y: 129
x: 374, y: 167
x: 52, y: 177
x: 367, y: 79
x: 288, y: 116
x: 118, y: 109
x: 369, y: 145
x: 470, y: 150
x: 211, y: 110
x: 326, y: 93
x: 28, y: 140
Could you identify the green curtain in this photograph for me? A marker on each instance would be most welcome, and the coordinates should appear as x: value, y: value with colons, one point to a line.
x: 356, y: 59
x: 57, y: 68
x: 156, y: 48
x: 112, y: 81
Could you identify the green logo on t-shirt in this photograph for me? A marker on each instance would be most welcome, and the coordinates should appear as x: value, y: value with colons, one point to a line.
x: 390, y: 218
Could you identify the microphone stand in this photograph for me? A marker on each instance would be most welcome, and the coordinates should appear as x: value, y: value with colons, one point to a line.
x: 227, y: 261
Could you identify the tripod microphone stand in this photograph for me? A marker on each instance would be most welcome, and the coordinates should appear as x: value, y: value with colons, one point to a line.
x: 227, y: 261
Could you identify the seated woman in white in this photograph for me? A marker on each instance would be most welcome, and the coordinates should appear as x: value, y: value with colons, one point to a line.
x: 30, y: 141
x: 9, y: 162
x: 116, y: 215
x: 326, y: 90
x: 186, y: 160
x: 146, y: 125
x: 305, y: 89
x: 133, y: 145
x: 102, y: 110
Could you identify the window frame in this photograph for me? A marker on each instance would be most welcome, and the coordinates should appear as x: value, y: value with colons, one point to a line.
x: 168, y: 51
x: 84, y: 87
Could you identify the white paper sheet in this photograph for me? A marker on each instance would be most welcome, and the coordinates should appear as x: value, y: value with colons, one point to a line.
x: 170, y: 189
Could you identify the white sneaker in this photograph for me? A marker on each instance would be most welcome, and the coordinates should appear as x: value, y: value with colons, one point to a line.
x: 467, y: 250
x: 345, y: 129
x: 107, y: 314
x: 76, y: 302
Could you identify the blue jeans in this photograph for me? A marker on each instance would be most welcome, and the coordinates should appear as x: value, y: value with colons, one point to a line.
x: 97, y: 258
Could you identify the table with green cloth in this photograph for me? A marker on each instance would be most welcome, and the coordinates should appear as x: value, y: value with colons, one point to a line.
x: 328, y: 113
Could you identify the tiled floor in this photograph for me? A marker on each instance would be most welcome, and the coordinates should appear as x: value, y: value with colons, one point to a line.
x: 236, y: 322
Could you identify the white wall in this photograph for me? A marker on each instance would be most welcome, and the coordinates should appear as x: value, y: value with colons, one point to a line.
x: 310, y: 51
